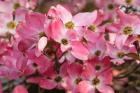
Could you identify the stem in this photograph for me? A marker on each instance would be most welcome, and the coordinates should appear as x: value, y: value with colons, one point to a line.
x: 126, y: 73
x: 57, y: 65
x: 40, y: 90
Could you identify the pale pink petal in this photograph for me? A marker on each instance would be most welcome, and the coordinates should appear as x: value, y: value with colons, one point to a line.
x: 6, y: 7
x: 86, y: 87
x: 81, y: 19
x: 120, y: 40
x: 42, y: 43
x: 105, y: 89
x: 137, y: 29
x: 63, y: 13
x: 65, y: 47
x: 112, y: 37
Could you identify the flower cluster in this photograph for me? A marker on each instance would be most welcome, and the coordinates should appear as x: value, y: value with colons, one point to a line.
x: 64, y: 51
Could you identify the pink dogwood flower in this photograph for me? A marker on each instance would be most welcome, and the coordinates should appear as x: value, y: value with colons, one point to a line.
x: 34, y: 26
x: 95, y: 81
x: 69, y: 41
x: 70, y: 22
x: 126, y: 25
x: 51, y: 79
x: 9, y: 6
x: 73, y: 78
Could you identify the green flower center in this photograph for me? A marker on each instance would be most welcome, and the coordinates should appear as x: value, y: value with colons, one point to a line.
x: 121, y: 54
x: 95, y: 81
x: 110, y: 6
x: 127, y: 30
x: 92, y: 27
x: 16, y: 6
x: 128, y: 1
x: 11, y: 25
x: 41, y: 34
x: 58, y: 79
x: 98, y: 53
x: 69, y: 25
x: 78, y: 80
x: 64, y: 41
x: 98, y: 67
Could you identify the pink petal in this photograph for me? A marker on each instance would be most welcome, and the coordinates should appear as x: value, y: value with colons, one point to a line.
x: 47, y: 84
x: 35, y: 20
x: 21, y: 63
x: 74, y: 70
x: 20, y: 89
x: 34, y: 80
x: 79, y: 50
x: 57, y: 30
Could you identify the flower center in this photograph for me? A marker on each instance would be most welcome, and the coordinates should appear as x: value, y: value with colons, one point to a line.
x: 11, y: 25
x: 110, y: 6
x: 98, y: 67
x: 69, y: 25
x: 128, y: 1
x: 78, y: 80
x: 92, y: 27
x: 98, y: 53
x: 127, y: 30
x: 64, y: 41
x: 16, y: 6
x: 58, y: 79
x: 84, y: 40
x: 95, y: 81
x: 41, y: 34
x: 121, y: 54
